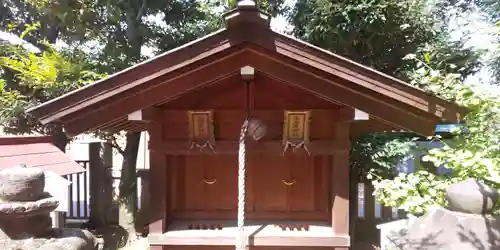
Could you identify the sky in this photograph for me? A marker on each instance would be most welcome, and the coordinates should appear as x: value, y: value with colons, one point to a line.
x: 280, y: 23
x: 13, y: 39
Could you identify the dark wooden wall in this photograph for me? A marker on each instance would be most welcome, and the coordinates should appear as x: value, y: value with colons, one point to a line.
x: 268, y: 195
x: 286, y: 186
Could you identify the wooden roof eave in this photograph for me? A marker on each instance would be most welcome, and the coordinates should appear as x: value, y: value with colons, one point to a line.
x: 274, y: 68
x: 271, y: 48
x: 55, y: 109
x: 163, y: 92
x: 358, y: 74
x: 396, y: 114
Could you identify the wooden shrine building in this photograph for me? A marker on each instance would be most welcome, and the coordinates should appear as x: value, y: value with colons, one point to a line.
x: 192, y: 101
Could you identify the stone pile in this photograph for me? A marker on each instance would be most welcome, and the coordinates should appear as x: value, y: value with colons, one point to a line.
x: 466, y: 224
x: 25, y: 209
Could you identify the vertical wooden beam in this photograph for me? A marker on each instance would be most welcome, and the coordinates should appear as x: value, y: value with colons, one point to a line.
x: 340, y: 206
x: 386, y: 213
x: 157, y: 175
x: 353, y: 202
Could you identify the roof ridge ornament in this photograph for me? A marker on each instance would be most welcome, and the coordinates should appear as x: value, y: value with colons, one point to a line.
x: 248, y: 12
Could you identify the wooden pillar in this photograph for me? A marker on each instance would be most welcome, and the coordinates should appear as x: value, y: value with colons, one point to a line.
x: 353, y: 202
x: 386, y: 213
x: 157, y: 176
x: 100, y: 183
x: 340, y: 206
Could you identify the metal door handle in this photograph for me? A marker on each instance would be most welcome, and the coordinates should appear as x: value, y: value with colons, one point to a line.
x: 289, y: 183
x: 210, y: 182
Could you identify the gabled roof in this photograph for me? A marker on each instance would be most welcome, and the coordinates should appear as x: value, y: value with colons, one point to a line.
x: 36, y: 151
x: 246, y: 40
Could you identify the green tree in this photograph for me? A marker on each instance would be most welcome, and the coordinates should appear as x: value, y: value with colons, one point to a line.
x: 381, y: 151
x: 472, y: 153
x: 134, y: 26
x: 37, y: 78
x: 380, y: 34
x: 489, y: 12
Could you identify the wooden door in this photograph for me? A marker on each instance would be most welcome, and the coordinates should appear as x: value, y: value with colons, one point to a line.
x: 267, y: 175
x: 194, y: 188
x: 210, y: 182
x: 290, y: 184
x: 303, y: 193
x: 222, y: 195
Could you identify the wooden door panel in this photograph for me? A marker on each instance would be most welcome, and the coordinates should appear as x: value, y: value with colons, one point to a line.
x: 268, y: 173
x: 194, y: 187
x: 223, y: 194
x: 210, y: 182
x: 303, y: 192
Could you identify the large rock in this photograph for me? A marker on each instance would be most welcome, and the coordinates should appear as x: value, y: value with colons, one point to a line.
x: 63, y: 239
x: 471, y: 196
x: 442, y: 229
x: 21, y: 184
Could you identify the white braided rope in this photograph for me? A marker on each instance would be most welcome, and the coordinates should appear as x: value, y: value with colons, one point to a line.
x: 240, y: 237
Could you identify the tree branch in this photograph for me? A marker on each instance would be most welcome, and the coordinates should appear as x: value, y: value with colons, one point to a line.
x: 115, y: 145
x: 142, y: 10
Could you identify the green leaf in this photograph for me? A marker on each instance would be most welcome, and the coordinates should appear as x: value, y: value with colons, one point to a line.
x: 427, y: 58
